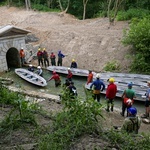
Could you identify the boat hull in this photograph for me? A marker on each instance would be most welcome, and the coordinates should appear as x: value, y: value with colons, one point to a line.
x: 31, y: 77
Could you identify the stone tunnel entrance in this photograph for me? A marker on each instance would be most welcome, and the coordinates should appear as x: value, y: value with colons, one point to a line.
x: 13, y: 59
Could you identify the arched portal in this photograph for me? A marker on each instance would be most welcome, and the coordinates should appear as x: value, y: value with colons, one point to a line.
x: 13, y: 59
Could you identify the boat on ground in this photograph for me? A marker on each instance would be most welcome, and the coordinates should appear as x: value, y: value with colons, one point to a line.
x: 122, y: 79
x: 31, y: 77
x: 64, y: 70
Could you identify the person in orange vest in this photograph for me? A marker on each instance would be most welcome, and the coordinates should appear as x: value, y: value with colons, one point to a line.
x: 90, y: 77
x: 22, y: 56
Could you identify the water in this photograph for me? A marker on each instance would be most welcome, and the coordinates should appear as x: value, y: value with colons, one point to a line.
x: 51, y: 89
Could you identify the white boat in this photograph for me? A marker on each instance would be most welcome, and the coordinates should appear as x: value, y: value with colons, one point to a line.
x: 64, y: 70
x: 31, y: 77
x: 121, y: 80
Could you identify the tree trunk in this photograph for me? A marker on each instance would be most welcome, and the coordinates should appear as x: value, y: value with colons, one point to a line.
x: 84, y: 8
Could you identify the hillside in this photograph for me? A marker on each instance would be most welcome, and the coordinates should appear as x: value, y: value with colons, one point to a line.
x: 92, y: 43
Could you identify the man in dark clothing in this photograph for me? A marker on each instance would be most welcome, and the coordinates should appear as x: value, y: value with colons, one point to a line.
x: 45, y: 56
x: 73, y: 64
x: 40, y: 57
x: 60, y: 57
x: 31, y: 68
x: 98, y: 87
x: 72, y: 90
x: 52, y: 58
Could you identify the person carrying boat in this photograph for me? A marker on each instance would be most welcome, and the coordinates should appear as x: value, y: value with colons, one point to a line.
x: 45, y: 56
x: 69, y: 76
x: 128, y: 94
x: 39, y: 71
x: 131, y: 123
x: 60, y: 58
x: 90, y: 77
x: 40, y: 57
x: 98, y: 87
x: 111, y: 94
x: 22, y: 56
x: 31, y: 68
x: 56, y: 78
x: 73, y: 64
x: 52, y: 58
x: 147, y: 102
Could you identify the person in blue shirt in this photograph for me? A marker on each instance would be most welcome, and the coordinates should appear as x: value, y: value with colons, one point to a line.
x: 98, y: 87
x: 73, y: 64
x: 60, y: 58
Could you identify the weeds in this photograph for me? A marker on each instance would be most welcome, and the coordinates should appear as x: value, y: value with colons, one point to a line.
x: 112, y: 66
x: 77, y: 118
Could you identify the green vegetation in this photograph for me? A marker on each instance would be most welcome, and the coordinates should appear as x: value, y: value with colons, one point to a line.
x: 132, y: 13
x: 94, y: 8
x: 112, y: 66
x: 138, y: 36
x: 77, y: 119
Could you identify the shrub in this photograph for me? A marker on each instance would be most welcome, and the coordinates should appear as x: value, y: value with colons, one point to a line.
x: 132, y: 13
x: 138, y: 36
x: 111, y: 66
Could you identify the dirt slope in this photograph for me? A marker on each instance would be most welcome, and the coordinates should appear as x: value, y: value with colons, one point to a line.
x: 91, y: 42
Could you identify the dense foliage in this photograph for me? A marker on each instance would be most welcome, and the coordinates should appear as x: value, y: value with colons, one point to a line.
x: 94, y: 7
x: 139, y: 37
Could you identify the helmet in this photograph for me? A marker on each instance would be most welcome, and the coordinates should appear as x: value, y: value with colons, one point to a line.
x: 21, y: 47
x: 39, y: 49
x: 112, y: 80
x: 39, y: 67
x: 130, y: 84
x: 54, y: 72
x: 97, y: 75
x: 132, y: 111
x: 68, y: 68
x: 30, y: 65
x: 44, y: 49
x: 129, y: 102
x: 73, y: 60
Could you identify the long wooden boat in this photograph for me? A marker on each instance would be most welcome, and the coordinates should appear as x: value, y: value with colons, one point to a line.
x: 31, y: 77
x: 122, y: 79
x: 64, y: 70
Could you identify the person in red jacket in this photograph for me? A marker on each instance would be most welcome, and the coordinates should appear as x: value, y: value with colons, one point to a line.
x: 69, y: 76
x: 111, y: 93
x: 56, y: 78
x: 90, y: 77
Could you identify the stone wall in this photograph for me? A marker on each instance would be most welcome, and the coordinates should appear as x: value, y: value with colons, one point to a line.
x: 6, y: 44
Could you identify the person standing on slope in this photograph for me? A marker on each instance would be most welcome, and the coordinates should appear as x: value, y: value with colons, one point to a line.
x: 111, y: 94
x: 60, y: 58
x: 98, y: 87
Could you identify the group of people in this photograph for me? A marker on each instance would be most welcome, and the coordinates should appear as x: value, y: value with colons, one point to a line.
x: 132, y: 122
x: 69, y: 84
